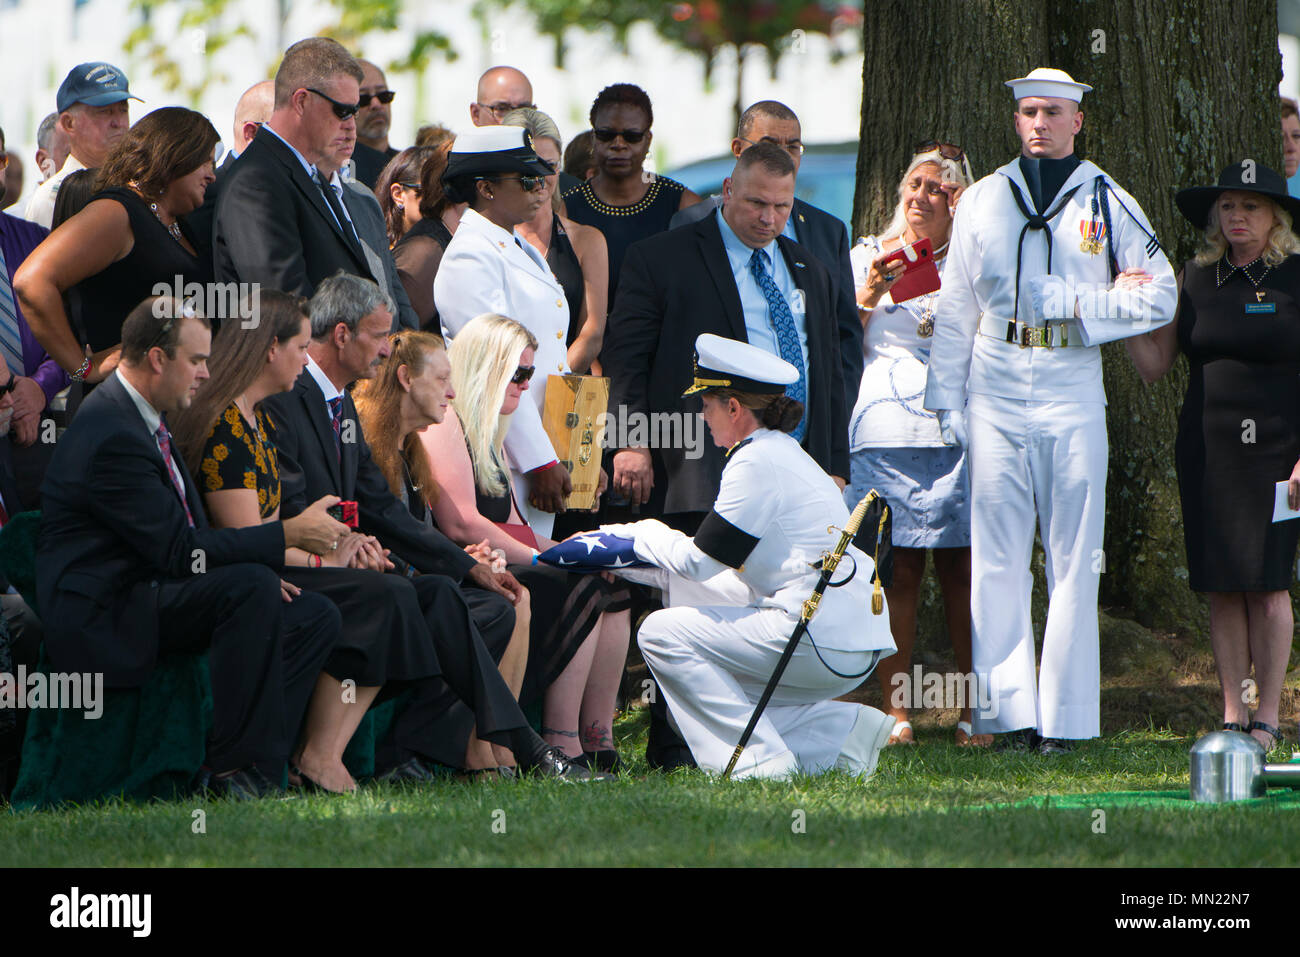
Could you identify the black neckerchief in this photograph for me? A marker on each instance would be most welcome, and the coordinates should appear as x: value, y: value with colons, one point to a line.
x: 1046, y: 177
x: 1034, y: 221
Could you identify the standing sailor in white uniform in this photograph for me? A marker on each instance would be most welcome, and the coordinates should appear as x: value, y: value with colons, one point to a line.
x: 1049, y: 259
x: 753, y: 559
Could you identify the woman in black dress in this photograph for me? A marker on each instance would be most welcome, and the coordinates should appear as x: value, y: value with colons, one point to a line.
x: 454, y: 474
x: 418, y: 251
x: 129, y: 239
x: 620, y: 200
x: 1239, y: 430
x: 229, y: 446
x: 576, y: 254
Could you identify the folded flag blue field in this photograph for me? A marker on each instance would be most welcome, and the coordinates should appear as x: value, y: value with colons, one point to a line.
x: 592, y: 552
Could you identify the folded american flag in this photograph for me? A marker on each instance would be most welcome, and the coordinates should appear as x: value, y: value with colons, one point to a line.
x: 592, y: 552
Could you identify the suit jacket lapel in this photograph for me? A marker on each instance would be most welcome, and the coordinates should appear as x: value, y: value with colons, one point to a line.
x: 311, y: 189
x: 796, y: 260
x: 718, y: 265
x: 317, y: 411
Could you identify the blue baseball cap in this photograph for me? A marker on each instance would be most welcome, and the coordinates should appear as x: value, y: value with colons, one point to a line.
x: 95, y: 84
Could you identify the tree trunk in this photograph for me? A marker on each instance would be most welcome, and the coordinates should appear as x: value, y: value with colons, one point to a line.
x: 1182, y: 88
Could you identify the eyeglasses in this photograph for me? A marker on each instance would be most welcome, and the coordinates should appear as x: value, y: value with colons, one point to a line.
x: 523, y: 374
x: 162, y: 334
x: 413, y: 187
x: 947, y: 150
x: 501, y: 109
x: 13, y: 384
x: 527, y: 183
x: 790, y: 146
x: 383, y: 96
x: 343, y: 111
x: 631, y: 137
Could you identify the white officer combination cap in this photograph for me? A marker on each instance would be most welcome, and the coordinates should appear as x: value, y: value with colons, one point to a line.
x: 1047, y: 82
x: 730, y: 364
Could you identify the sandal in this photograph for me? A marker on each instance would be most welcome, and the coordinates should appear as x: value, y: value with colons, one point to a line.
x: 896, y: 736
x: 966, y: 737
x: 1269, y: 730
x: 1233, y: 726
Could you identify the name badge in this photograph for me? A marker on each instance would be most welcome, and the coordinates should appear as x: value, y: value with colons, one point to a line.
x: 1253, y: 308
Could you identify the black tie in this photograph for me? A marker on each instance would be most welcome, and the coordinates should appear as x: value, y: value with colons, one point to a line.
x: 332, y: 199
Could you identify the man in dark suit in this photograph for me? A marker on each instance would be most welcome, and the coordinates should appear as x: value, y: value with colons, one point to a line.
x: 277, y: 223
x: 127, y: 569
x: 733, y: 274
x: 253, y: 109
x: 322, y: 451
x: 701, y: 278
x: 824, y: 236
x: 362, y: 210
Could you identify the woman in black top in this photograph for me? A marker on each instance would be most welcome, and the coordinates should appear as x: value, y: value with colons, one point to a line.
x: 620, y: 200
x: 128, y: 240
x: 418, y: 251
x: 1239, y: 430
x: 576, y: 254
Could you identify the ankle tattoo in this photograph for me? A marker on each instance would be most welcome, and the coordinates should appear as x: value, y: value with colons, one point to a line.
x: 562, y: 734
x: 597, y: 737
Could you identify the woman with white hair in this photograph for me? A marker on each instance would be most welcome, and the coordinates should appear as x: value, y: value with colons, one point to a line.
x: 1238, y: 432
x: 895, y: 441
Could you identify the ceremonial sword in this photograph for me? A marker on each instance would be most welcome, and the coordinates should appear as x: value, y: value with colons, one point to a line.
x: 830, y: 561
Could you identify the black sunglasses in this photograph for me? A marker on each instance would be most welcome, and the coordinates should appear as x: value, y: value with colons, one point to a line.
x: 523, y: 374
x: 527, y: 183
x: 383, y: 96
x: 606, y: 135
x: 414, y: 187
x: 947, y: 150
x: 343, y: 111
x: 13, y: 384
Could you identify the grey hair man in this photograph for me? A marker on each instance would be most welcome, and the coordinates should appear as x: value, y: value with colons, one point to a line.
x: 52, y: 146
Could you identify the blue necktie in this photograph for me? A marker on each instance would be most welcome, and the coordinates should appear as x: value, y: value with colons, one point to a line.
x: 11, y: 342
x: 787, y: 336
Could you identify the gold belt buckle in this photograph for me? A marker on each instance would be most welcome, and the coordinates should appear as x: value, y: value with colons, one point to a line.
x: 1035, y: 336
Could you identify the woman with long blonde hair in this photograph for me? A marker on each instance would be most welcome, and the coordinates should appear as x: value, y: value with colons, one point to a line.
x: 455, y: 473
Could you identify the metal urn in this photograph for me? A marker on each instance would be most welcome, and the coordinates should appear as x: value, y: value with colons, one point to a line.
x: 1229, y: 766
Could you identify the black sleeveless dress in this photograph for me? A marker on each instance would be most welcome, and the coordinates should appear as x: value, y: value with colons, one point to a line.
x: 108, y: 297
x: 1239, y: 429
x: 624, y: 225
x: 563, y: 260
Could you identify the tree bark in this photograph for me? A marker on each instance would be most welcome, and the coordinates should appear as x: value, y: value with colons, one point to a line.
x: 1182, y: 88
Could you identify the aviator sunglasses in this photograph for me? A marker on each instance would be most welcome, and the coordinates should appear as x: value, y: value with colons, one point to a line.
x: 343, y: 111
x: 606, y: 135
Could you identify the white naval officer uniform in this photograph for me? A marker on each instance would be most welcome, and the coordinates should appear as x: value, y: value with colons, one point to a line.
x: 713, y: 657
x: 487, y: 269
x: 1037, y: 428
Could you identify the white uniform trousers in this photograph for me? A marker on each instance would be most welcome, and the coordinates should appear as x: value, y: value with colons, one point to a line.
x: 712, y: 664
x: 1044, y: 461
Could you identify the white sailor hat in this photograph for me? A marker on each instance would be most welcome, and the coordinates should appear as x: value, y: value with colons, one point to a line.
x: 729, y: 364
x: 1048, y: 82
x: 485, y: 150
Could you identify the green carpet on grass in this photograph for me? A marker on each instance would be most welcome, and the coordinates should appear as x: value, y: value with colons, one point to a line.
x: 1276, y: 797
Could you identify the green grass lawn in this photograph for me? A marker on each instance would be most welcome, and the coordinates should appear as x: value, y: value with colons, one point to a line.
x: 931, y: 804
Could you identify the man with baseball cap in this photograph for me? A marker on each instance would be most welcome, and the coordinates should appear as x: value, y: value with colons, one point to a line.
x: 93, y: 115
x: 1049, y: 259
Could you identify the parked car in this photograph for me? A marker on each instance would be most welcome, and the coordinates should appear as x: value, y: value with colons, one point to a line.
x: 827, y: 176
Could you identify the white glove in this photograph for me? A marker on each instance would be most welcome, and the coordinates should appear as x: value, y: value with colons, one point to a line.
x: 952, y: 428
x: 1049, y: 297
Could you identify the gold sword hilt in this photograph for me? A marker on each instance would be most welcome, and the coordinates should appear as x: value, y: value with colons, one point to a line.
x: 831, y: 559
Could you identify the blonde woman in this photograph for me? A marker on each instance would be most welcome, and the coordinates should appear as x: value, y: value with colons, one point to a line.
x: 1239, y: 324
x: 895, y: 442
x: 454, y: 473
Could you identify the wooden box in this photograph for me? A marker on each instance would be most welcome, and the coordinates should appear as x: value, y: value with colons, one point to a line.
x: 573, y: 419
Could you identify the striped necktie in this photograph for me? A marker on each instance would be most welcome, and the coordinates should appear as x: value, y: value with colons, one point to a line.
x: 336, y: 423
x: 787, y: 336
x: 10, y: 340
x: 165, y: 447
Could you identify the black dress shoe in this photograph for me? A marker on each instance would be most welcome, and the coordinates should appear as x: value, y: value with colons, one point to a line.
x: 243, y: 784
x: 1023, y: 740
x: 410, y: 771
x: 603, y: 761
x: 670, y: 758
x: 554, y: 763
x: 1052, y: 746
